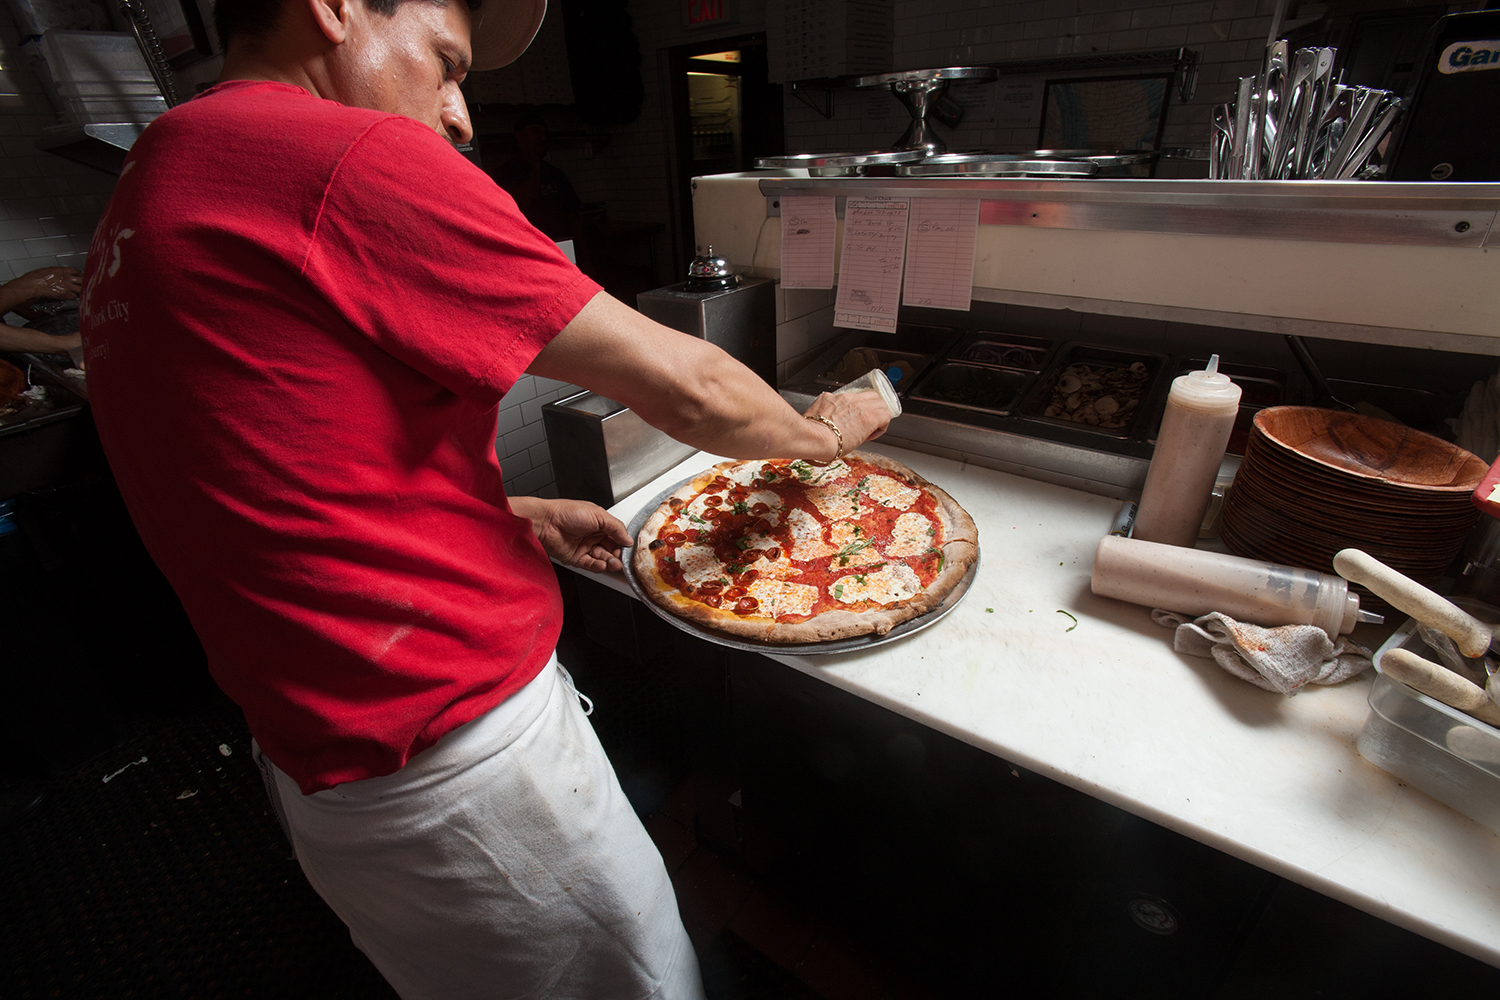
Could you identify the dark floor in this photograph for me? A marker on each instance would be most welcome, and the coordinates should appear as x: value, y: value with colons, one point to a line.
x: 156, y: 870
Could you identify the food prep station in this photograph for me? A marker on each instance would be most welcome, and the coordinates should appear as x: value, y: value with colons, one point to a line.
x: 1313, y: 293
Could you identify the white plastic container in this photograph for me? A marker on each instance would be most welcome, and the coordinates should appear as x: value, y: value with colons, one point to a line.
x: 877, y: 380
x: 1446, y: 753
x: 1195, y: 428
x: 1197, y: 582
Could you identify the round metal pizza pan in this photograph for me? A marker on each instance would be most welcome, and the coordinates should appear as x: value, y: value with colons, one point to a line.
x: 855, y: 644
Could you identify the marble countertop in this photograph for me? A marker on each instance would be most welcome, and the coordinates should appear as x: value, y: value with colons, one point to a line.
x: 1107, y: 707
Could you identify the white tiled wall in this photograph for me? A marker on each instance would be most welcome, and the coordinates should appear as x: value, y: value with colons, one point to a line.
x: 521, y: 441
x: 804, y: 326
x: 1228, y: 35
x: 48, y: 205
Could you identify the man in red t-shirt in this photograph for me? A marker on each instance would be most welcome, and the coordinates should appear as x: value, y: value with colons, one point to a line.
x: 300, y: 311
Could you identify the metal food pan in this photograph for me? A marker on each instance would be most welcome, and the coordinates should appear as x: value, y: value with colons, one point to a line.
x: 1258, y: 386
x: 982, y: 388
x: 1008, y: 350
x: 1082, y: 360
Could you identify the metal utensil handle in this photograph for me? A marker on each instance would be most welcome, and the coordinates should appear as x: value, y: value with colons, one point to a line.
x: 156, y: 60
x: 1472, y: 635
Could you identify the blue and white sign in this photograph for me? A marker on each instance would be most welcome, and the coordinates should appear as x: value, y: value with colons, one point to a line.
x: 1465, y: 57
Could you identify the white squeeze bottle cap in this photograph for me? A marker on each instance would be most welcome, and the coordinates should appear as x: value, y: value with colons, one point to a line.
x: 1208, y: 389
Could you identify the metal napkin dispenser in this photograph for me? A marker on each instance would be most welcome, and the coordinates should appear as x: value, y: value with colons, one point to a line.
x: 735, y: 312
x: 603, y: 451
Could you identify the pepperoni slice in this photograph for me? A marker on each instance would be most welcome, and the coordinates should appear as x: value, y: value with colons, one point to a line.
x: 712, y: 600
x: 749, y: 576
x: 713, y: 500
x: 676, y: 538
x: 734, y: 592
x: 745, y: 605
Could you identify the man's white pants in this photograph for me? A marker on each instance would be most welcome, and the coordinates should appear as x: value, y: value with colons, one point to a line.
x: 504, y: 861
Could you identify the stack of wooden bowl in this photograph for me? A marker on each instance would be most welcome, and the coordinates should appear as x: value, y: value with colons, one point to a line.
x: 1315, y: 481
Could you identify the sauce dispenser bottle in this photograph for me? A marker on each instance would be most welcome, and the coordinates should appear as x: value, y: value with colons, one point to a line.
x: 1200, y: 414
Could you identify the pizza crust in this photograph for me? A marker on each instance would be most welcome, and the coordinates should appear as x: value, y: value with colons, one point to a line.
x: 960, y: 550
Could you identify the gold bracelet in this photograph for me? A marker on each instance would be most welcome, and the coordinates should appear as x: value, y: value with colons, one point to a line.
x: 837, y: 433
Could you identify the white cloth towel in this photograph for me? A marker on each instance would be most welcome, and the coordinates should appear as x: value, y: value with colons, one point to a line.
x: 1284, y: 659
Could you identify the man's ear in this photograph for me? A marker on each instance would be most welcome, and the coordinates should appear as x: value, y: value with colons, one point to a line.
x: 332, y: 17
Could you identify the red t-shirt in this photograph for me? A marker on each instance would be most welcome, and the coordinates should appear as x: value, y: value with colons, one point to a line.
x: 298, y: 319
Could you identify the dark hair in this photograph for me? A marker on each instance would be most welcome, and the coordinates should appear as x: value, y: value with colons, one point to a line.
x: 256, y: 18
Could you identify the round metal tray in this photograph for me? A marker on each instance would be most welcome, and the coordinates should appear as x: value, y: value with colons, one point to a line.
x: 901, y: 631
x: 968, y: 165
x: 982, y: 73
x: 815, y: 161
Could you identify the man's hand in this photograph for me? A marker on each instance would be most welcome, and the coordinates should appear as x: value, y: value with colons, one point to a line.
x: 859, y: 416
x: 576, y: 532
x: 48, y: 283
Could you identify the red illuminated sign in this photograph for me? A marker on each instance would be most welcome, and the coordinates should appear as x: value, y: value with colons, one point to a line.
x: 705, y: 12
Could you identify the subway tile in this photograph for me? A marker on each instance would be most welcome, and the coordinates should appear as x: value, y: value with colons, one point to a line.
x: 529, y: 483
x: 1166, y: 37
x: 1225, y: 10
x: 1150, y: 17
x: 1115, y: 20
x: 1124, y: 41
x: 510, y: 419
x: 528, y: 435
x: 1200, y: 34
x: 1254, y: 29
x: 524, y: 389
x: 791, y: 338
x: 515, y: 464
x: 541, y: 454
x: 531, y: 410
x: 44, y: 245
x: 21, y: 229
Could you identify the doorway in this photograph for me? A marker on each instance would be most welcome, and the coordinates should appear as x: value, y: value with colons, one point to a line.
x: 725, y: 114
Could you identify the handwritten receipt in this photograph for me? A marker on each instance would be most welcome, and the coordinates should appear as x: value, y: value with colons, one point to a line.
x: 874, y: 259
x: 942, y: 252
x: 807, y: 227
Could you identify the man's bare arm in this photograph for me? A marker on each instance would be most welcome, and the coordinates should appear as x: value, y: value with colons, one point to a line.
x: 696, y: 392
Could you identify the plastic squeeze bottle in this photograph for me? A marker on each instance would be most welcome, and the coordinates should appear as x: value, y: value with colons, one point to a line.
x: 1200, y: 414
x: 1196, y: 582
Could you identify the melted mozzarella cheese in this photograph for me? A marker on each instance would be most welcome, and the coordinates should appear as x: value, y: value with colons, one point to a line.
x: 699, y: 564
x: 807, y: 536
x: 778, y: 597
x: 892, y: 582
x: 817, y: 475
x: 836, y: 502
x: 911, y: 535
x: 744, y: 472
x: 853, y: 547
x: 888, y: 491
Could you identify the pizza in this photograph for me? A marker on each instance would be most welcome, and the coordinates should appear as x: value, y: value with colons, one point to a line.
x: 794, y: 552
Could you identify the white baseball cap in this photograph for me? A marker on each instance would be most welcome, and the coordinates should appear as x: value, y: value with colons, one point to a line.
x: 501, y: 30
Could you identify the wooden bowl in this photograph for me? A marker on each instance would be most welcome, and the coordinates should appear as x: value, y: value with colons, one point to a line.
x: 1372, y: 449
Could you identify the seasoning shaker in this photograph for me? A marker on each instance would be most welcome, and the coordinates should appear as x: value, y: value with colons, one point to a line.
x: 1200, y: 414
